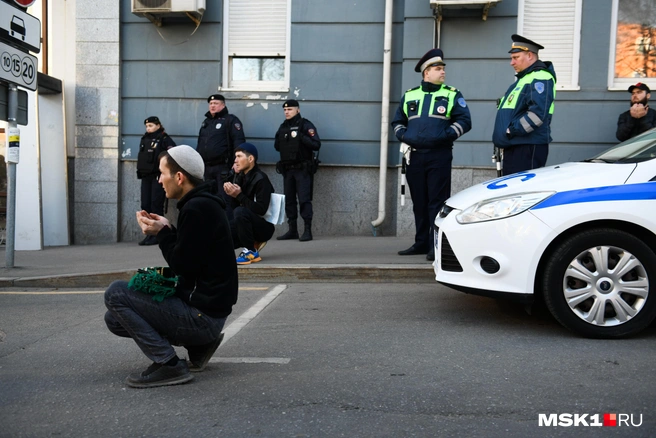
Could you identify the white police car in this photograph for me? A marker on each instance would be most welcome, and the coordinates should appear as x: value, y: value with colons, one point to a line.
x: 580, y: 235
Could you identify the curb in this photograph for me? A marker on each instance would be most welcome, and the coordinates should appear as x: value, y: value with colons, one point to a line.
x: 252, y: 274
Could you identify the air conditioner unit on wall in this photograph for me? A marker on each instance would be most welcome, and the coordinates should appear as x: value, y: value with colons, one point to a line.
x: 438, y: 5
x: 155, y: 10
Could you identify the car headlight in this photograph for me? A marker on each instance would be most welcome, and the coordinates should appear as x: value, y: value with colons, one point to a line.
x: 499, y: 208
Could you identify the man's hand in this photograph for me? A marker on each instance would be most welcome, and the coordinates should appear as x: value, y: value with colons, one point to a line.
x: 231, y: 189
x: 638, y: 110
x: 151, y: 223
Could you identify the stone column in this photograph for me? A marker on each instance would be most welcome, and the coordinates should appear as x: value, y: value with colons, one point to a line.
x: 97, y: 103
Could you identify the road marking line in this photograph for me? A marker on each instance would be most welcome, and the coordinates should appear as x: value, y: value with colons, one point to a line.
x: 55, y: 293
x: 89, y: 292
x: 251, y: 313
x: 278, y: 360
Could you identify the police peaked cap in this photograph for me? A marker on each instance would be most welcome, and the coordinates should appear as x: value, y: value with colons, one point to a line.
x: 521, y: 44
x: 290, y: 103
x: 152, y: 119
x: 216, y: 97
x: 433, y: 56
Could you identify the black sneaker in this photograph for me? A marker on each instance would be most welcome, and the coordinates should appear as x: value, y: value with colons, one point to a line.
x: 199, y: 356
x: 160, y: 375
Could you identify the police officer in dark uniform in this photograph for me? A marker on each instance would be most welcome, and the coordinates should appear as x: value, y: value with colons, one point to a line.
x: 219, y: 136
x: 428, y: 120
x: 296, y: 140
x: 153, y: 142
x: 522, y: 129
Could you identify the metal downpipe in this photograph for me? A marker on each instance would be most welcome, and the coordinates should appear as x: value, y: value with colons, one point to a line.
x: 384, y: 118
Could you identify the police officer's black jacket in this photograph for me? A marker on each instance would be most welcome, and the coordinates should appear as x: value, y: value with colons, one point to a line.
x: 256, y: 189
x: 152, y: 144
x: 628, y: 127
x: 200, y: 252
x: 296, y: 139
x: 218, y: 137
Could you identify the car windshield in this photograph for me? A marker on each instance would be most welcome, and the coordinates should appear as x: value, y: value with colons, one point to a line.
x: 635, y: 150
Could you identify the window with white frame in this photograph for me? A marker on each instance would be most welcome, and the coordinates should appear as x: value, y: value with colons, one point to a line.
x: 633, y: 44
x: 256, y: 36
x: 556, y: 25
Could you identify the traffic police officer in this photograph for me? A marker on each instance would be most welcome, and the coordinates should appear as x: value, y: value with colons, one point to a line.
x: 296, y: 140
x: 219, y: 136
x: 522, y: 129
x: 428, y: 120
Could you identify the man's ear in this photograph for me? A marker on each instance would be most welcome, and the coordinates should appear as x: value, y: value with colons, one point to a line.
x: 180, y: 178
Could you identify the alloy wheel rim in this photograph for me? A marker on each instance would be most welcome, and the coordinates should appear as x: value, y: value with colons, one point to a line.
x: 605, y: 286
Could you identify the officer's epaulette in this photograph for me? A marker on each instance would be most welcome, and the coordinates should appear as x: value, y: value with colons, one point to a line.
x: 450, y: 88
x: 411, y: 89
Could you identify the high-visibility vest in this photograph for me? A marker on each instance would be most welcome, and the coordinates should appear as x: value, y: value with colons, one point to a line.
x: 510, y: 101
x: 418, y: 97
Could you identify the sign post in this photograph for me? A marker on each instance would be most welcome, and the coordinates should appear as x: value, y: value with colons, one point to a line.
x: 13, y: 143
x: 20, y: 32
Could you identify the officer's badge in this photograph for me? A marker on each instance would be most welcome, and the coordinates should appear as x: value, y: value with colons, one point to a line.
x: 311, y: 132
x: 511, y: 97
x: 218, y: 126
x: 294, y: 134
x: 539, y: 87
x: 238, y: 126
x: 462, y: 102
x: 441, y: 109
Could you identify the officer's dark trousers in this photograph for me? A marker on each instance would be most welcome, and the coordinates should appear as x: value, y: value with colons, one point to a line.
x: 214, y: 173
x: 247, y: 227
x: 152, y: 195
x: 429, y: 180
x: 524, y: 157
x: 298, y: 182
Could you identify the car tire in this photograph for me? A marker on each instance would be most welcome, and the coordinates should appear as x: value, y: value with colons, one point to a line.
x: 585, y: 294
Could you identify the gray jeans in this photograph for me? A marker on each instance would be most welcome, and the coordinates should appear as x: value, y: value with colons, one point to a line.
x: 156, y: 326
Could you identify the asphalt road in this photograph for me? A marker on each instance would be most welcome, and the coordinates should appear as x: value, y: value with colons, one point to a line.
x: 324, y: 360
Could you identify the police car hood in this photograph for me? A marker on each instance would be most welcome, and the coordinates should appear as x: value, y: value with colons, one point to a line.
x: 567, y: 176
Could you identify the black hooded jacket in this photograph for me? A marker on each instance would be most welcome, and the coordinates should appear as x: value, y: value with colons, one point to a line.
x: 200, y: 252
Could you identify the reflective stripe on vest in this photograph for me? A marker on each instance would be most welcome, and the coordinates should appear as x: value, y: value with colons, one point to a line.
x: 542, y: 75
x: 419, y: 97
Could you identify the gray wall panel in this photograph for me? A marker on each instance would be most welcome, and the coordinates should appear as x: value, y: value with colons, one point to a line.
x: 417, y: 38
x: 477, y: 39
x: 595, y: 45
x: 342, y: 83
x: 344, y: 11
x: 141, y: 41
x: 166, y: 79
x: 327, y: 42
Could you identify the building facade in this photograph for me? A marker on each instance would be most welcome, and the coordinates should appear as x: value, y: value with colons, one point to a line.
x: 330, y: 56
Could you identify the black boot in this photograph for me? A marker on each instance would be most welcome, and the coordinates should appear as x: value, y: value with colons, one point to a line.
x: 291, y: 234
x: 307, y: 234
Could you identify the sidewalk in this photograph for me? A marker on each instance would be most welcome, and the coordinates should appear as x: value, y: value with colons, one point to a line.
x: 335, y: 259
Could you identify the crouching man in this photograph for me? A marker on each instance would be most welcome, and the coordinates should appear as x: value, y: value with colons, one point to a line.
x: 200, y: 252
x: 251, y: 193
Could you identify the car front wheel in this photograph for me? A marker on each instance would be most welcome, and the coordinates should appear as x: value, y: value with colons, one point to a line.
x: 597, y: 283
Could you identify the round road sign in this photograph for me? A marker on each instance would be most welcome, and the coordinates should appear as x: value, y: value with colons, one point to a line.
x: 24, y: 3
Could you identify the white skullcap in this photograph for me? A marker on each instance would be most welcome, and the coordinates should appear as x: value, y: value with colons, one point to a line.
x: 188, y: 159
